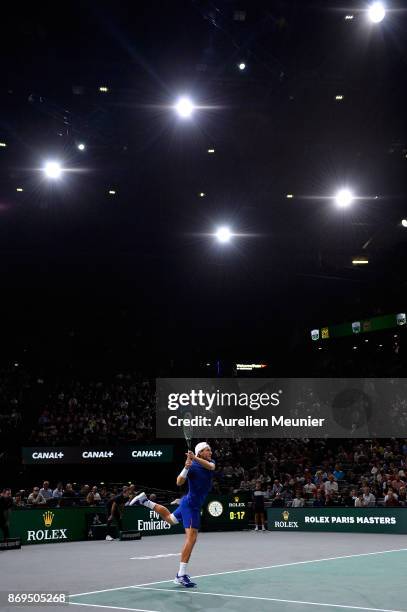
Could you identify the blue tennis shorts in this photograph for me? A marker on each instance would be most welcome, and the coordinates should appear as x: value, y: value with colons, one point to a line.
x: 189, y: 517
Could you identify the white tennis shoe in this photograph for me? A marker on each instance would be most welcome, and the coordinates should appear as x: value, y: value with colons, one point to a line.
x: 138, y: 500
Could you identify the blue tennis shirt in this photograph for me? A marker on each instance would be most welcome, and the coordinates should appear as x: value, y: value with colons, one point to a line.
x: 199, y: 484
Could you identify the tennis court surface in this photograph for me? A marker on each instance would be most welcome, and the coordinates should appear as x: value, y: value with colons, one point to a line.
x: 234, y: 571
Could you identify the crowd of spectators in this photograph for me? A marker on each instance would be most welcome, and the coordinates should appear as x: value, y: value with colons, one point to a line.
x: 300, y: 472
x: 68, y: 495
x: 68, y: 411
x: 96, y: 412
x: 290, y: 473
x: 316, y: 472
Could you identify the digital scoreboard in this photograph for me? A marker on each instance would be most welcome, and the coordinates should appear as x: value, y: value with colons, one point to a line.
x: 225, y: 512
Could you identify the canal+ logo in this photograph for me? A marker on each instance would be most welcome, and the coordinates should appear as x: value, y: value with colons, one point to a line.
x: 47, y: 534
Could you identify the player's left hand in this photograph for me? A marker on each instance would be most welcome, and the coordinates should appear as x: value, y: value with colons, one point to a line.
x: 190, y: 455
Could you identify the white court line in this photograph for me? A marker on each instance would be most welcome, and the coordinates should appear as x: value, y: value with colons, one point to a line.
x: 177, y: 554
x: 76, y: 603
x: 251, y: 569
x: 306, y: 603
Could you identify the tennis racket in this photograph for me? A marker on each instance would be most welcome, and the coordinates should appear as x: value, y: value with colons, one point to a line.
x: 188, y: 430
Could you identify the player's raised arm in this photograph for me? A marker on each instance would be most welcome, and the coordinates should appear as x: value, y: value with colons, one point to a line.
x: 182, y: 476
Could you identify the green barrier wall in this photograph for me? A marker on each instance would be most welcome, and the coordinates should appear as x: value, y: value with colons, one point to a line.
x: 359, y: 520
x: 42, y: 525
x: 39, y: 526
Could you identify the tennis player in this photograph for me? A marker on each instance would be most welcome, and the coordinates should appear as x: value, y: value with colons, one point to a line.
x: 198, y: 472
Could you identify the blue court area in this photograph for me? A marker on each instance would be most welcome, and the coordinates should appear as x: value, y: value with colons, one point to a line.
x: 360, y: 581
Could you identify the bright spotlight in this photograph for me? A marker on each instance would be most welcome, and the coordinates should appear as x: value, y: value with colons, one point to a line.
x: 242, y: 66
x: 376, y: 12
x: 344, y: 198
x: 184, y: 107
x: 81, y: 146
x: 223, y: 234
x: 53, y: 170
x: 404, y: 222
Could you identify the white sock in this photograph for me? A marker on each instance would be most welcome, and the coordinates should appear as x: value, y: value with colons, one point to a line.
x: 182, y: 569
x: 263, y: 528
x: 149, y: 504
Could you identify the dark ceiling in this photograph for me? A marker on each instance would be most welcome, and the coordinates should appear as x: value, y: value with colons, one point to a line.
x: 75, y: 255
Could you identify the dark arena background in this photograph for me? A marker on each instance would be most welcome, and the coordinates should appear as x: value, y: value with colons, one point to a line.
x: 202, y: 190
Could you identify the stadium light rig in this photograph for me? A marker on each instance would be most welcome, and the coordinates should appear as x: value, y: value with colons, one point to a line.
x: 376, y: 12
x: 223, y: 234
x: 81, y: 146
x: 242, y: 66
x: 404, y: 222
x: 184, y: 107
x: 360, y: 261
x: 344, y: 198
x: 53, y: 170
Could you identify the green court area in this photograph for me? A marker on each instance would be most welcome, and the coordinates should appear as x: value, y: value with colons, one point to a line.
x: 369, y: 581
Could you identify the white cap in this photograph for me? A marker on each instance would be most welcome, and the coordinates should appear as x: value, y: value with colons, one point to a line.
x: 200, y: 447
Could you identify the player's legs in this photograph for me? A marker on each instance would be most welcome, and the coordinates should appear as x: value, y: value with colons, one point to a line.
x: 191, y: 518
x: 165, y: 514
x: 142, y: 500
x: 191, y: 535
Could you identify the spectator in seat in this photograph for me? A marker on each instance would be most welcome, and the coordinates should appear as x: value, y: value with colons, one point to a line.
x: 84, y: 492
x: 359, y: 501
x: 103, y: 493
x: 397, y: 483
x: 277, y: 487
x: 278, y: 501
x: 319, y: 501
x: 310, y: 488
x: 298, y: 501
x: 245, y: 483
x: 35, y: 498
x: 69, y: 497
x: 338, y: 473
x: 348, y: 499
x: 368, y: 497
x: 330, y: 486
x: 391, y: 499
x: 18, y: 500
x: 98, y: 499
x: 58, y: 491
x: 45, y: 491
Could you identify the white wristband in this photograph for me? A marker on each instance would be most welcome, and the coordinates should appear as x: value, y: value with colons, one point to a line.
x: 184, y: 473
